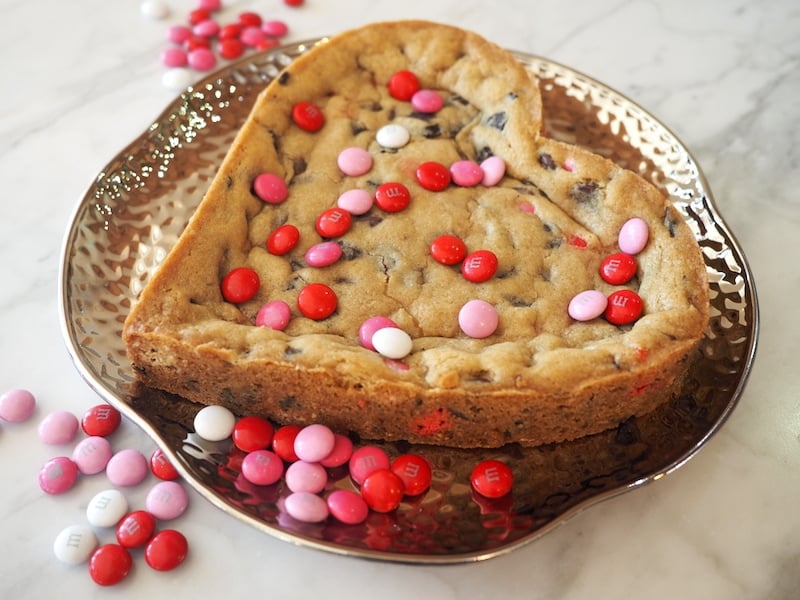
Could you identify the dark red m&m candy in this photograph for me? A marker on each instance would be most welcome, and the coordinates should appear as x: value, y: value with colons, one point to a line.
x: 283, y: 239
x: 135, y: 529
x: 403, y: 85
x: 110, y: 564
x: 166, y: 550
x: 333, y: 222
x: 382, y: 490
x: 415, y: 472
x: 392, y: 196
x: 252, y: 433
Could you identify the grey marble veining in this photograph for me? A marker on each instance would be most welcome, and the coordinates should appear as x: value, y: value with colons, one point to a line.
x: 724, y: 76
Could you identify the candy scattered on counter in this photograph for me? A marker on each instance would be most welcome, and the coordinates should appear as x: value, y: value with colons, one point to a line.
x: 78, y: 543
x: 203, y: 38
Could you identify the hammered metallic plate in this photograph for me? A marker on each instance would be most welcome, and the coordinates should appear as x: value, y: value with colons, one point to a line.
x: 137, y: 207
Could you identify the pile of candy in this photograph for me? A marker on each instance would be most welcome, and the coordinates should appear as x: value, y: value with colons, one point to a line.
x: 303, y: 458
x: 108, y: 510
x: 197, y: 44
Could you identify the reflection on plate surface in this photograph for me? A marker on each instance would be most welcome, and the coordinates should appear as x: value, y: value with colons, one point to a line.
x: 138, y: 205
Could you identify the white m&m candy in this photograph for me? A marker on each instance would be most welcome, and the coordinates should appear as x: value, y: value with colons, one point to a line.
x: 214, y: 423
x: 75, y: 544
x: 392, y: 342
x: 106, y: 508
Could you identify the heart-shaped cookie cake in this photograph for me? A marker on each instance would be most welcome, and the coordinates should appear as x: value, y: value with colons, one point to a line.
x: 392, y: 248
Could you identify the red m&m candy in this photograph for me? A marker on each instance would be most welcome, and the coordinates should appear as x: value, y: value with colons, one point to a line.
x: 135, y: 529
x: 240, y: 285
x: 492, y: 479
x: 308, y: 116
x: 403, y: 85
x: 392, y: 196
x: 110, y: 564
x: 101, y: 420
x: 479, y: 266
x: 283, y: 442
x: 433, y: 176
x: 161, y: 467
x: 448, y: 249
x: 333, y: 222
x: 624, y: 307
x: 382, y: 490
x: 283, y: 239
x: 415, y: 472
x: 166, y: 550
x: 252, y: 433
x: 317, y: 301
x: 618, y: 268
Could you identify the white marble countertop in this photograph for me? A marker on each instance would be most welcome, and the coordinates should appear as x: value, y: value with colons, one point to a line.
x: 83, y: 79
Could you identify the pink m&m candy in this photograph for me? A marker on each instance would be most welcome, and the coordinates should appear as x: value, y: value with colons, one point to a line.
x: 306, y: 507
x: 174, y: 57
x: 58, y: 475
x: 262, y: 467
x: 478, y: 319
x: 587, y: 305
x: 314, y: 442
x: 92, y: 454
x: 365, y: 460
x: 356, y: 201
x: 369, y: 327
x: 427, y: 101
x: 466, y: 173
x: 17, y: 405
x: 166, y: 500
x: 58, y: 428
x: 348, y: 507
x: 354, y: 161
x: 633, y: 236
x: 323, y: 254
x: 274, y: 314
x: 302, y: 476
x: 494, y: 169
x: 341, y: 453
x: 202, y: 59
x: 127, y: 468
x: 270, y: 188
x: 275, y: 28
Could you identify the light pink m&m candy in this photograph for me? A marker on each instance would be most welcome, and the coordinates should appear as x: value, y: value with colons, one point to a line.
x: 633, y: 236
x: 92, y: 454
x: 323, y: 254
x: 17, y: 405
x: 302, y: 476
x: 478, y: 319
x: 369, y: 327
x: 58, y: 428
x: 166, y: 500
x: 306, y: 507
x: 494, y: 169
x: 274, y: 314
x: 587, y: 305
x: 356, y: 201
x: 314, y: 442
x: 354, y: 161
x: 127, y: 468
x: 58, y: 475
x: 466, y: 173
x: 427, y: 101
